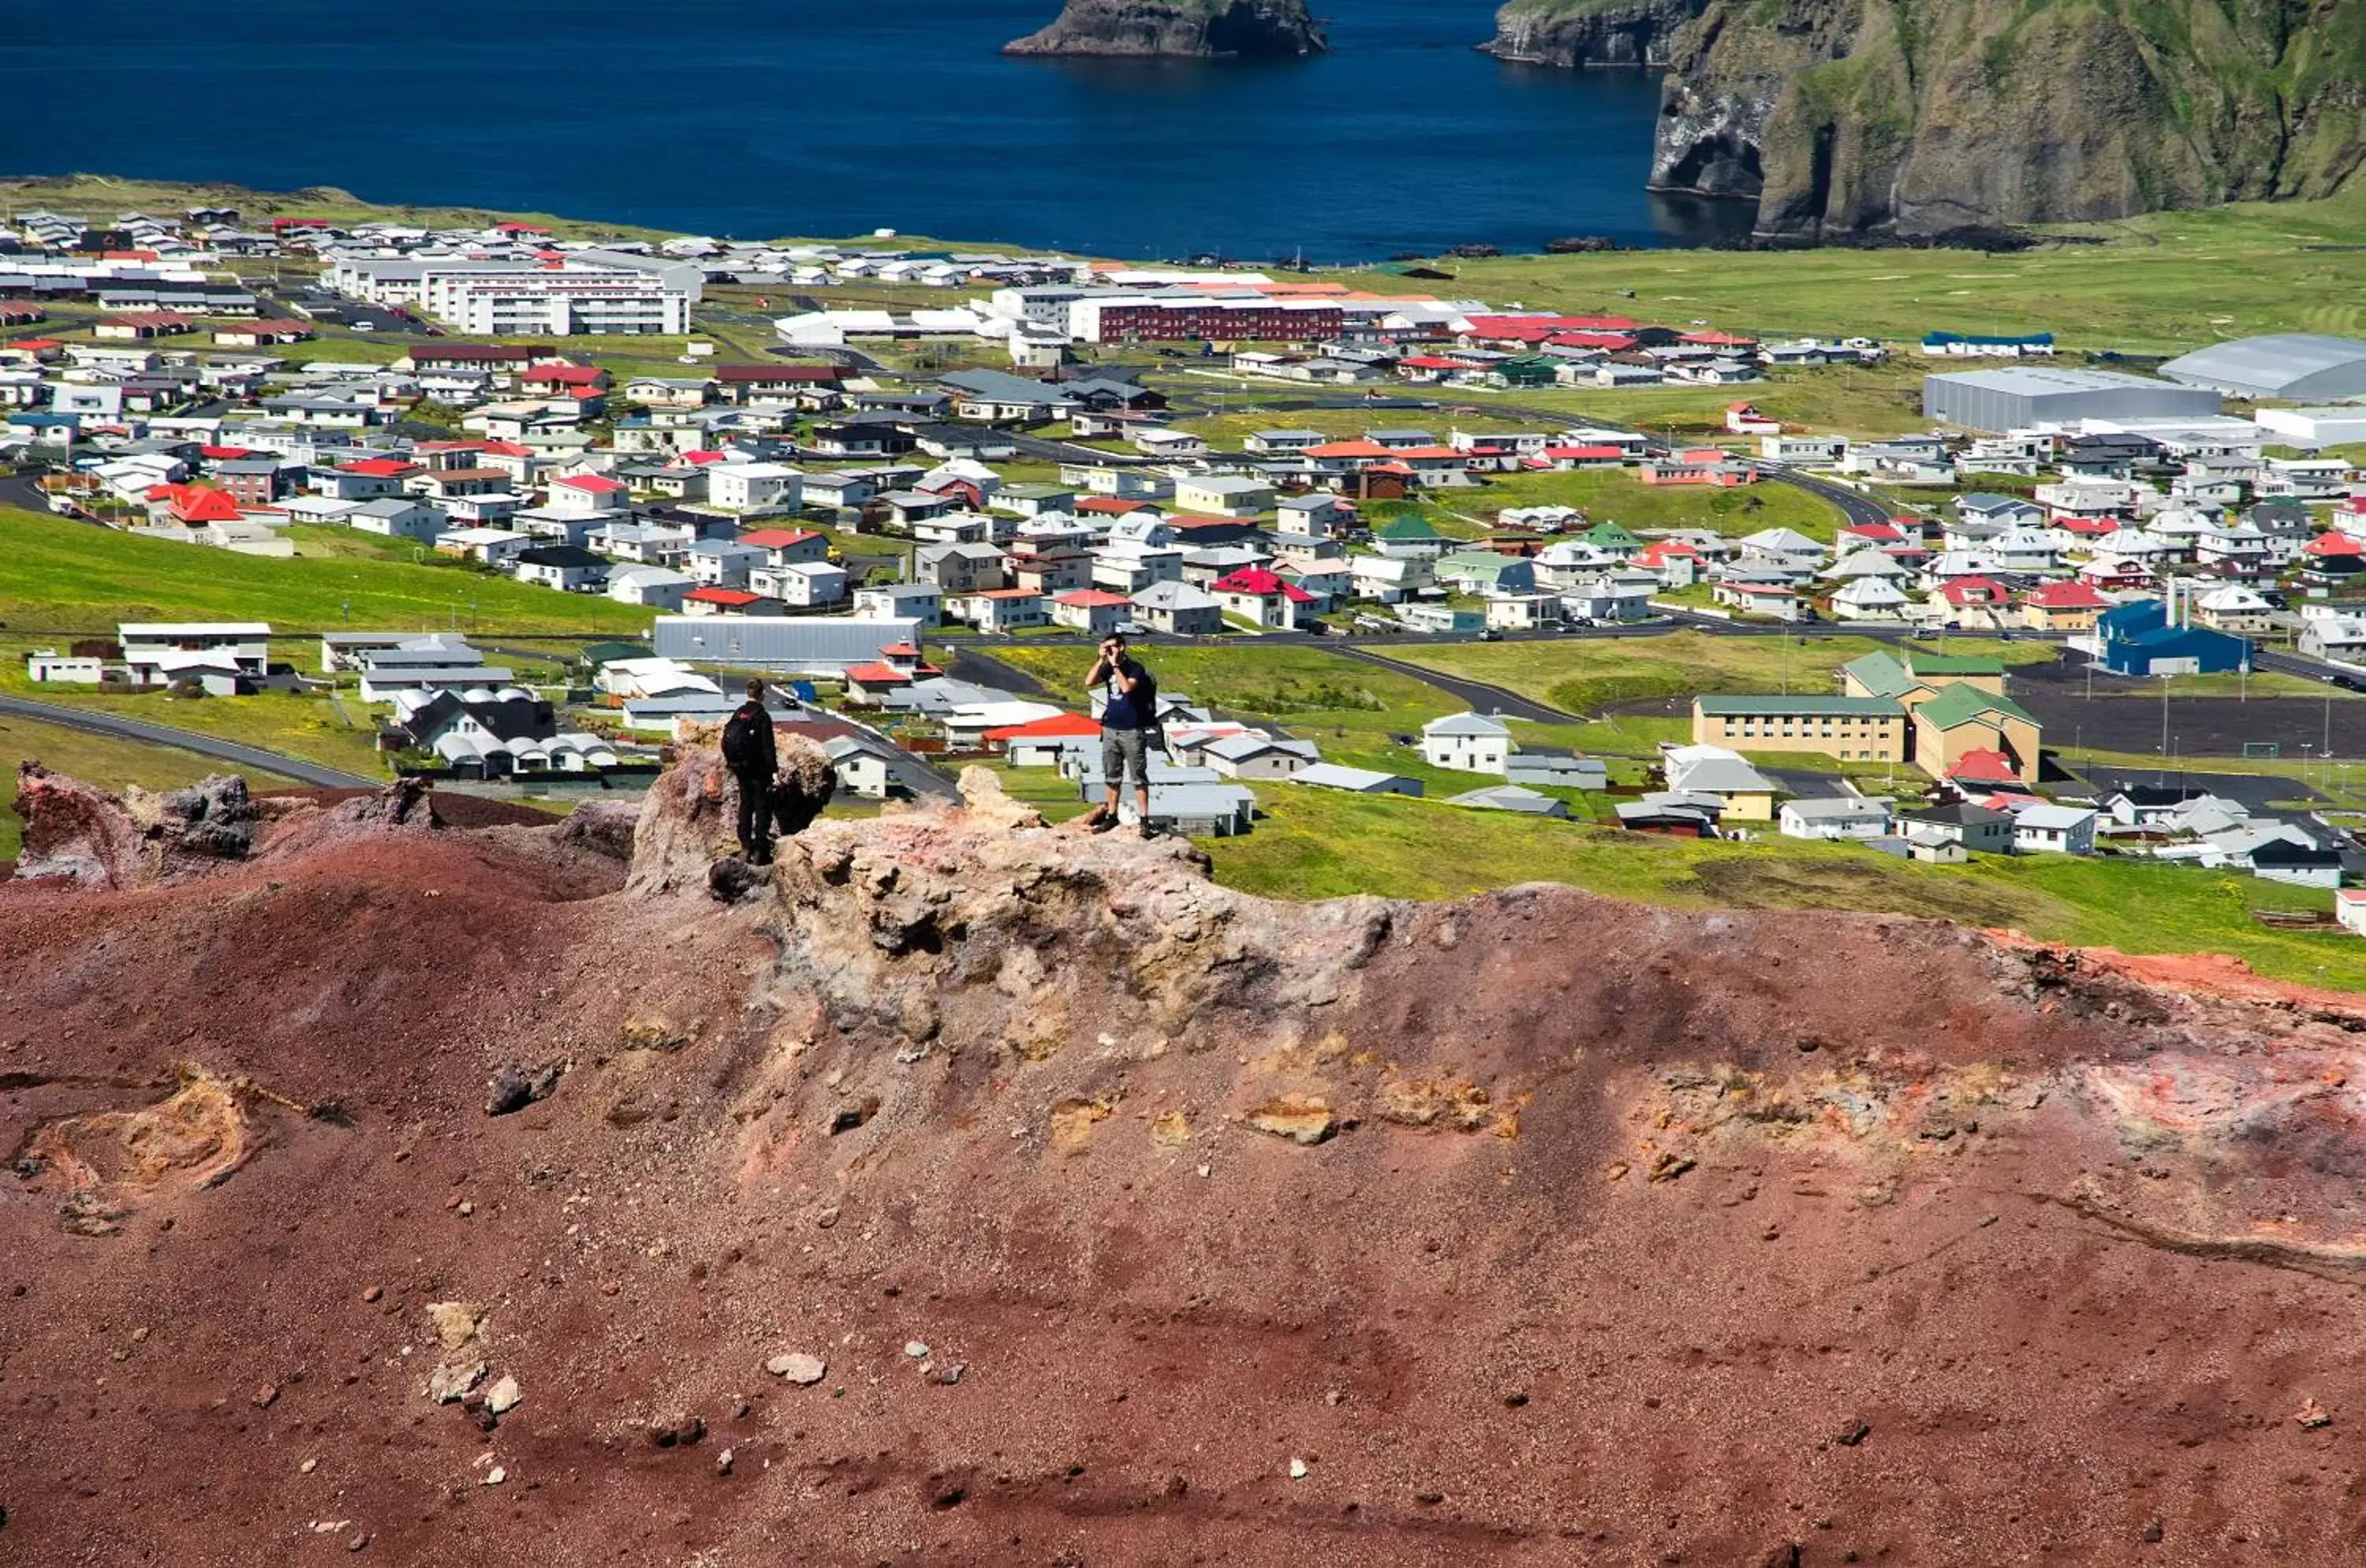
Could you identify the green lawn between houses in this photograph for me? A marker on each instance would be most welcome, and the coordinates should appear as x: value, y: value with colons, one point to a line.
x: 1315, y: 843
x: 61, y: 577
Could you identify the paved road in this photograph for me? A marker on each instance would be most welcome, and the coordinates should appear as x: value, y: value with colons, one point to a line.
x: 123, y: 729
x: 1480, y: 695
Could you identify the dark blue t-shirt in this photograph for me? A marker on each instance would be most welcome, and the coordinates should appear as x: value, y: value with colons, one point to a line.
x: 1127, y: 710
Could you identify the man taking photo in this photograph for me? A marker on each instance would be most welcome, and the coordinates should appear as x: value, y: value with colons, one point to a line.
x: 1129, y: 715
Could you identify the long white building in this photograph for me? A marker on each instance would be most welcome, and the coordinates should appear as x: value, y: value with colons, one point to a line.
x: 598, y: 292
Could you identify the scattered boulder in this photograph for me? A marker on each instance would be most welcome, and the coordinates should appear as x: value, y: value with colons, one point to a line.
x: 504, y: 1396
x: 451, y: 1381
x: 456, y: 1323
x: 1301, y: 1118
x: 798, y: 1367
x: 732, y: 880
x: 515, y: 1088
x: 1853, y: 1432
x: 677, y: 1430
x: 2311, y: 1415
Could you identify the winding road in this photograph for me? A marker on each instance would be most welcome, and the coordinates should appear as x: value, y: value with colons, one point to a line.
x: 119, y: 728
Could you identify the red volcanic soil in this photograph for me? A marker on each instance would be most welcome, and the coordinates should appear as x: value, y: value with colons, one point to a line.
x: 1137, y: 1222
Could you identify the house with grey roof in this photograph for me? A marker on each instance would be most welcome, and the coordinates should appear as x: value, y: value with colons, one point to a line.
x: 1355, y: 781
x: 1466, y: 743
x: 1512, y: 797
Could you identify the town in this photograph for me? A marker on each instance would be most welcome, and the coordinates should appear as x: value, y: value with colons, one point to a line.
x: 1397, y: 549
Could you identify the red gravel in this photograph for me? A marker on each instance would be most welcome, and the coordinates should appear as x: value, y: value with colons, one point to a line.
x: 1964, y: 1259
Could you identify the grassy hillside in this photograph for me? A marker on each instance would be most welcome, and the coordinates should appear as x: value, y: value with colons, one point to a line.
x: 61, y: 577
x: 2158, y: 284
x: 1318, y: 843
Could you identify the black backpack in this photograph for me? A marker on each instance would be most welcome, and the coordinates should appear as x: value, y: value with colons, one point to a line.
x: 740, y: 749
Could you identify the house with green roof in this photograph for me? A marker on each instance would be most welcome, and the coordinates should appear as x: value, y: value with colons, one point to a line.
x: 1613, y: 541
x: 1410, y: 535
x: 1484, y: 572
x: 1960, y: 718
x: 1915, y: 676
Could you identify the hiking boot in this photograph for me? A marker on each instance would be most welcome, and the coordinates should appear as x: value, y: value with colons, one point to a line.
x: 1099, y: 820
x: 1147, y: 832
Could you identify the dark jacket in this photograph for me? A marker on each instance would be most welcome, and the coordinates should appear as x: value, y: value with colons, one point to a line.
x: 765, y: 759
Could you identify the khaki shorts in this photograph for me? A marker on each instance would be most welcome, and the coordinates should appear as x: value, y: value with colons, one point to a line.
x: 1123, y: 752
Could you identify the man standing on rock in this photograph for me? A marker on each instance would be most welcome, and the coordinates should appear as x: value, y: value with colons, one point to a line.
x: 1129, y: 715
x: 748, y: 751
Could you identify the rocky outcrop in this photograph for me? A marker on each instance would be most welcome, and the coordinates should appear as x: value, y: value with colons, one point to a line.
x: 1591, y: 33
x: 1920, y: 117
x: 1192, y: 29
x: 87, y: 837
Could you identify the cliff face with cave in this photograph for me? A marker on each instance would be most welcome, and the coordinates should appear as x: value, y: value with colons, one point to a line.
x: 967, y: 1187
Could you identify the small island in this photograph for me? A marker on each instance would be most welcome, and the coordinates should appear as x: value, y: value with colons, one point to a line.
x: 1179, y: 29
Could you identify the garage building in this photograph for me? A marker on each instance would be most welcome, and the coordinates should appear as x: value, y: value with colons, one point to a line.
x: 2019, y: 398
x: 2289, y: 366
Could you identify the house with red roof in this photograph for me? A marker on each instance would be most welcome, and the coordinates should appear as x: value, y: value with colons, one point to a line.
x: 1562, y: 455
x: 1975, y: 601
x: 364, y: 478
x: 713, y: 601
x: 1678, y: 564
x: 586, y: 495
x: 1260, y: 597
x: 1349, y: 456
x: 789, y: 546
x: 1744, y: 419
x: 192, y: 506
x: 998, y: 609
x: 1711, y: 466
x: 1042, y: 742
x: 2069, y: 606
x: 560, y: 378
x: 1091, y: 610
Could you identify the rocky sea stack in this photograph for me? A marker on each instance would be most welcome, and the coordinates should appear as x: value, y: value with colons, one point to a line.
x: 1584, y: 33
x: 1182, y: 30
x: 1920, y: 117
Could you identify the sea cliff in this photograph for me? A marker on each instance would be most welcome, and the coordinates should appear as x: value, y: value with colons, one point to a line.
x: 1845, y: 118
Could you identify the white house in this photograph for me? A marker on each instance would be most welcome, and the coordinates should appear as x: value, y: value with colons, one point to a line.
x: 153, y: 651
x: 1835, y: 816
x: 1223, y: 495
x: 1468, y: 742
x: 800, y: 584
x: 751, y: 488
x: 651, y: 587
x: 2063, y: 830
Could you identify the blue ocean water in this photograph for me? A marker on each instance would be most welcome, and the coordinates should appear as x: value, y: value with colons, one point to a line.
x: 837, y: 117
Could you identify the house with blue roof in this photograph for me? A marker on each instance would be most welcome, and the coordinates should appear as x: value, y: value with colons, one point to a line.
x: 2138, y: 639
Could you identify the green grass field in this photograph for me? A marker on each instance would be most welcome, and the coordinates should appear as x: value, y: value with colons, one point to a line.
x: 1612, y: 495
x: 2156, y: 284
x: 1318, y: 843
x: 97, y: 760
x: 60, y: 578
x: 1582, y: 675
